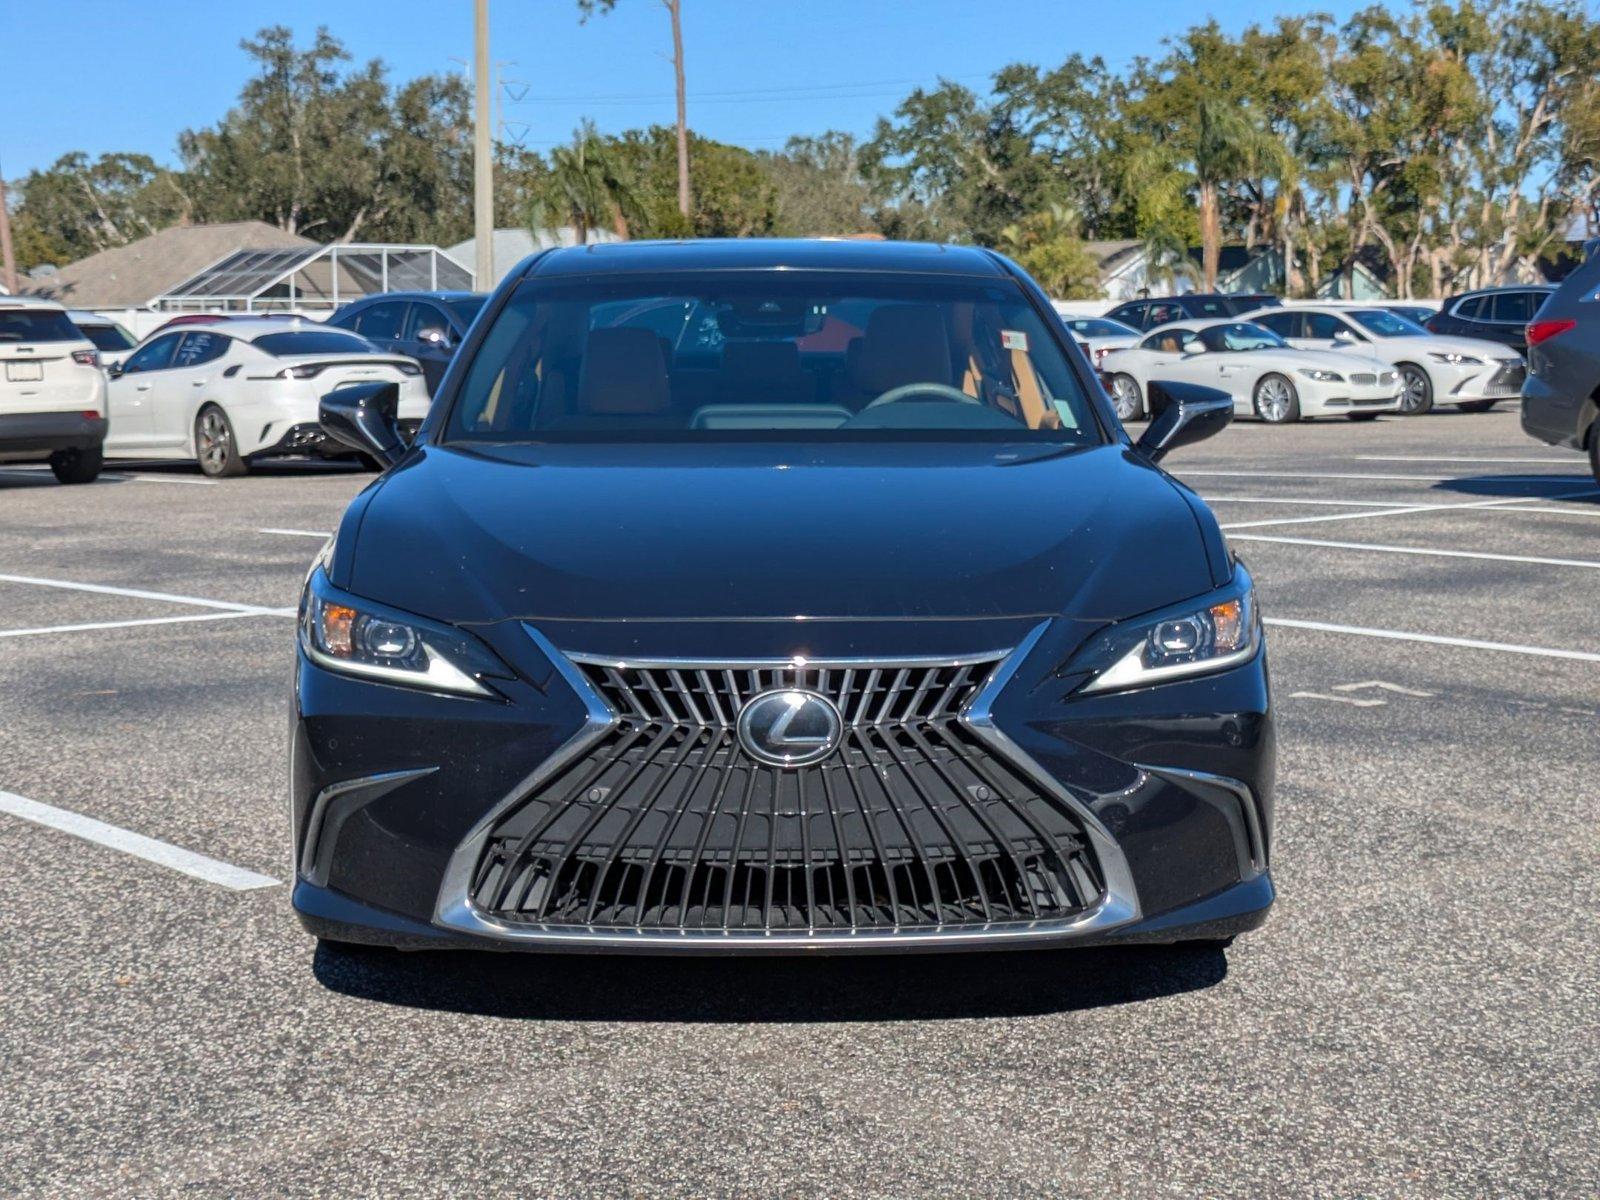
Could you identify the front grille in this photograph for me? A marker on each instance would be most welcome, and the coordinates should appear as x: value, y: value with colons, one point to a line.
x: 666, y: 823
x: 1388, y: 377
x: 1510, y: 375
x: 1363, y: 379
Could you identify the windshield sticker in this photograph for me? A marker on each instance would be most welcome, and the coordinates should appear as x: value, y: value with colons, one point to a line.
x: 1014, y: 339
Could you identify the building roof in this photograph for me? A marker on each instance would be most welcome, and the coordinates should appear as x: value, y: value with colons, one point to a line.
x: 511, y: 246
x: 756, y: 254
x: 132, y: 276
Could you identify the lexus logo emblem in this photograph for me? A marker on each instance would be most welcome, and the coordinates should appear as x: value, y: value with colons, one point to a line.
x: 790, y: 728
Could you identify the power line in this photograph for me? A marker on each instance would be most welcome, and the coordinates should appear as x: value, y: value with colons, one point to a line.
x: 782, y: 93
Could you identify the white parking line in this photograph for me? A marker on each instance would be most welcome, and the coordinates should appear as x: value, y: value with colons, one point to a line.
x: 140, y: 594
x: 1403, y: 510
x: 1356, y: 475
x: 1591, y: 564
x: 1433, y: 639
x: 1317, y: 503
x: 316, y: 533
x: 215, y: 616
x: 1427, y: 458
x: 176, y: 858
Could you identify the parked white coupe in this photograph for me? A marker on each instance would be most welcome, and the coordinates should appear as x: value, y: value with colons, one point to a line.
x: 229, y: 393
x: 1264, y: 374
x: 1470, y: 373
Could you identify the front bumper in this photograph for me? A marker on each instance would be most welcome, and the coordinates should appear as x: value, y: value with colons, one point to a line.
x: 308, y: 437
x: 1499, y: 379
x: 401, y: 798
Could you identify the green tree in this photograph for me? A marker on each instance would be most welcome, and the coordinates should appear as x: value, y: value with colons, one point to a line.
x: 588, y: 186
x: 1046, y: 245
x: 77, y: 207
x: 335, y: 154
x: 819, y: 186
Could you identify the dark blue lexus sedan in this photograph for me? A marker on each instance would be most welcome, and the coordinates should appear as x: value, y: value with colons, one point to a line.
x: 777, y: 596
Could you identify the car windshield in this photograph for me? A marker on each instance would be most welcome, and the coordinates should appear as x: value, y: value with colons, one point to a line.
x: 769, y: 356
x: 113, y: 338
x: 466, y: 307
x: 317, y: 341
x: 1100, y: 327
x: 1384, y: 323
x: 37, y: 325
x: 1242, y: 335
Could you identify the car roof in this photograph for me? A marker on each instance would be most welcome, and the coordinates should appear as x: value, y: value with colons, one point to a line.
x: 248, y: 329
x: 765, y: 254
x: 1505, y: 287
x: 82, y: 316
x: 1199, y: 323
x: 380, y: 296
x: 30, y: 302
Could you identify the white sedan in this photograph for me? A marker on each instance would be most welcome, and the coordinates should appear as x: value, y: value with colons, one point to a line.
x: 1264, y: 375
x: 1099, y: 336
x: 1470, y: 373
x: 229, y: 393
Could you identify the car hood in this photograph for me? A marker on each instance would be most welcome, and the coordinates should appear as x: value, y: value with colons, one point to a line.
x: 742, y: 531
x: 1445, y: 344
x: 1337, y: 360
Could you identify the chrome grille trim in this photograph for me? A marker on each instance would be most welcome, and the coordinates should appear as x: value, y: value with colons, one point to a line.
x: 1115, y: 905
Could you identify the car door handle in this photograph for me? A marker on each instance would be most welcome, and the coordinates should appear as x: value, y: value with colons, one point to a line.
x: 141, y: 387
x: 199, y: 382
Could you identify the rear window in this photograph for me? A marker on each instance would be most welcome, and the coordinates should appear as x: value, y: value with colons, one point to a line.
x: 37, y: 325
x: 772, y: 357
x: 317, y: 341
x: 1098, y: 327
x: 111, y: 338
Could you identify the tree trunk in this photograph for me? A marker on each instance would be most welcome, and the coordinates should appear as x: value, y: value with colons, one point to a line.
x: 674, y: 8
x: 1210, y: 236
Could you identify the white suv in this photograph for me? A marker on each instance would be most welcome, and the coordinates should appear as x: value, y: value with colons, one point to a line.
x: 52, y: 391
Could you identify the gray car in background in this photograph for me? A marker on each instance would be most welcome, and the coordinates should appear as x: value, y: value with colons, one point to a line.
x: 1559, y: 395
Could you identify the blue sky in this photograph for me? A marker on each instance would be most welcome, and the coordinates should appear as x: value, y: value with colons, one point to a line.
x: 758, y: 70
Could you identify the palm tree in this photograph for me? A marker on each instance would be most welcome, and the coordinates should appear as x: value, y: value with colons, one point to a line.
x: 588, y: 186
x: 1227, y: 147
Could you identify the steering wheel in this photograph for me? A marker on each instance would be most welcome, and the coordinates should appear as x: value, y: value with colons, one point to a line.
x: 906, y: 390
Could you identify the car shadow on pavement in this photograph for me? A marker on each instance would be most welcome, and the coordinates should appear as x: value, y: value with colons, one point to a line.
x: 1530, y: 486
x: 816, y: 989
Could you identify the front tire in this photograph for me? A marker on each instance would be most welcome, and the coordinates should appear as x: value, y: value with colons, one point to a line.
x: 1126, y: 397
x: 1275, y: 400
x: 77, y: 466
x: 214, y: 444
x: 1416, y: 390
x: 1475, y: 406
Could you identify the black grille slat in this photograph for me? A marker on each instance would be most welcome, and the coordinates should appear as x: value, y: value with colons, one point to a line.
x: 665, y: 823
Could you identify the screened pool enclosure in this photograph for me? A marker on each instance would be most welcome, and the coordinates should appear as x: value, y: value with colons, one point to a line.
x: 313, y: 277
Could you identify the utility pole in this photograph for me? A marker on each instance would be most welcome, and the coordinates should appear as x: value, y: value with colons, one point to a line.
x: 675, y: 10
x: 7, y: 258
x: 482, y: 149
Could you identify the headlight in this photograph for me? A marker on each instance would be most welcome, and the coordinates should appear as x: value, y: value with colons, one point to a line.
x: 1455, y: 360
x: 1192, y: 639
x: 357, y: 637
x: 1322, y: 376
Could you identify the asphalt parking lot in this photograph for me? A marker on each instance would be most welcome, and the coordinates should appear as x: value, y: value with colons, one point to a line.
x: 1419, y: 1017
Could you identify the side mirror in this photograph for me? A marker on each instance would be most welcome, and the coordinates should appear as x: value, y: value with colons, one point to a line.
x: 1190, y: 349
x: 1185, y: 413
x: 434, y: 335
x: 365, y: 417
x: 114, y: 370
x: 1345, y: 338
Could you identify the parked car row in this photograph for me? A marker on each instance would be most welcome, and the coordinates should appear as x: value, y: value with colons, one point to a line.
x: 1272, y: 359
x: 223, y: 390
